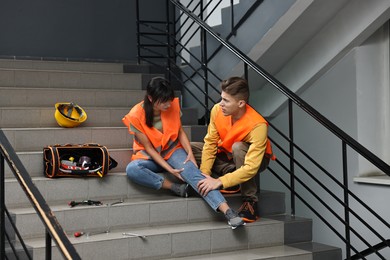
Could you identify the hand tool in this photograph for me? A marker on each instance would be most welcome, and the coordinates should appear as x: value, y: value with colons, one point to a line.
x: 116, y: 202
x: 85, y: 202
x: 79, y: 233
x: 127, y: 234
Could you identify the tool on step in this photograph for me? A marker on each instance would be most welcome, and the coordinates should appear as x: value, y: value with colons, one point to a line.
x: 85, y: 202
x: 127, y: 234
x: 79, y: 233
x: 116, y: 202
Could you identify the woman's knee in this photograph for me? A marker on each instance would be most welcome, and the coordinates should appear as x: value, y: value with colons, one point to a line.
x: 132, y: 170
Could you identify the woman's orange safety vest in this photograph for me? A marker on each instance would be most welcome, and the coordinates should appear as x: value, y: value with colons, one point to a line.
x: 230, y: 134
x: 165, y: 142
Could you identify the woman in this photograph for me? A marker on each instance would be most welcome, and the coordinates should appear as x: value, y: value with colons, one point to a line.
x: 160, y: 144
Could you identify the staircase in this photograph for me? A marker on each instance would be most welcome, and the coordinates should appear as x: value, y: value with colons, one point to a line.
x: 169, y: 227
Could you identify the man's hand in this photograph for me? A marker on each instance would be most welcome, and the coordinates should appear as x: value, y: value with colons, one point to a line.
x: 208, y: 184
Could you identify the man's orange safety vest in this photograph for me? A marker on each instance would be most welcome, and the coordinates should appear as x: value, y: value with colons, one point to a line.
x: 230, y: 134
x: 165, y: 142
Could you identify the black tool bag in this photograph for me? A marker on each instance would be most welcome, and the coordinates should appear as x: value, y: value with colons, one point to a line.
x: 76, y: 160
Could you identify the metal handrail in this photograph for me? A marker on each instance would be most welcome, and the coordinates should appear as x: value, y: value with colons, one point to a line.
x: 291, y: 95
x: 186, y: 62
x: 53, y: 228
x: 328, y: 174
x: 335, y: 197
x: 203, y: 72
x: 236, y: 26
x: 369, y: 251
x: 322, y: 218
x: 17, y: 234
x: 336, y: 131
x: 192, y: 23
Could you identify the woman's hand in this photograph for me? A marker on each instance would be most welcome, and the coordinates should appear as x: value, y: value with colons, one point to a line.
x: 187, y: 147
x: 208, y: 184
x: 191, y: 158
x: 177, y: 173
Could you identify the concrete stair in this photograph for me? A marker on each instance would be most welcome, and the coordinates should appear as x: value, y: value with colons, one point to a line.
x: 174, y: 227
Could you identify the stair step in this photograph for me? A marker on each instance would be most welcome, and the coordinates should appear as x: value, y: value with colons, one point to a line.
x: 302, y: 251
x: 33, y: 161
x: 34, y: 139
x: 62, y: 65
x: 112, y: 186
x: 151, y: 208
x: 70, y: 79
x: 169, y: 241
x: 43, y: 97
x: 23, y: 117
x: 16, y: 117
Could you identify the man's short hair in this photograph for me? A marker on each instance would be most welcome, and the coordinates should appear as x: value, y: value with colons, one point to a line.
x: 236, y: 87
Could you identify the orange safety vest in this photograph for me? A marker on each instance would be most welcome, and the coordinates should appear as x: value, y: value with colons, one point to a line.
x: 230, y: 134
x: 165, y: 142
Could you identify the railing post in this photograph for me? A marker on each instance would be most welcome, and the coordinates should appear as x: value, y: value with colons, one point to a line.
x: 346, y: 202
x: 233, y: 32
x: 246, y: 72
x: 2, y: 208
x: 172, y: 33
x: 203, y: 48
x: 168, y: 39
x: 291, y: 136
x: 138, y: 37
x: 48, y: 245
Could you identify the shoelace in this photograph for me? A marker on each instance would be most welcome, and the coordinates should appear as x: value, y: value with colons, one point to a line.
x: 247, y: 206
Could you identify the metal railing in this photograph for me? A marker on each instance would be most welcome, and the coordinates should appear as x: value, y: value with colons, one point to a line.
x: 53, y: 229
x: 181, y: 33
x: 293, y: 166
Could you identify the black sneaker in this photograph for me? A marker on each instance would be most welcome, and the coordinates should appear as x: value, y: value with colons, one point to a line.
x: 233, y: 219
x: 248, y: 211
x: 180, y: 189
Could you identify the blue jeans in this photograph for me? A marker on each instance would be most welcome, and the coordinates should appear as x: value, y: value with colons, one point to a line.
x: 144, y: 172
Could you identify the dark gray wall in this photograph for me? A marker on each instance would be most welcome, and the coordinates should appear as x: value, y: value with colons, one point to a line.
x: 74, y: 29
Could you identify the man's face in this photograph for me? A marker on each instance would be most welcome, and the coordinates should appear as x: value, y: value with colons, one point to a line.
x: 229, y: 105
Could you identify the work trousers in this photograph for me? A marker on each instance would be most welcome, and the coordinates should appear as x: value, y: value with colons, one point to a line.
x: 223, y: 165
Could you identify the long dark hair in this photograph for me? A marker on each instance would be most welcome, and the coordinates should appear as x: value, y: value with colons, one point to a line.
x: 159, y: 90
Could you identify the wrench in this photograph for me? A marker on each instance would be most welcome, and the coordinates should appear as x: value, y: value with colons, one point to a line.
x: 127, y: 234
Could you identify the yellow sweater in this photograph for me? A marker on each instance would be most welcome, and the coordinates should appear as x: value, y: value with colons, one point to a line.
x: 257, y: 140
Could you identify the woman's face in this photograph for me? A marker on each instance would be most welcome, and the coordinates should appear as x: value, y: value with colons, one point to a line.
x: 161, y: 106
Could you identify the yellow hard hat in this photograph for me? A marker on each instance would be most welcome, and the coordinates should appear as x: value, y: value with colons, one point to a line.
x: 69, y: 114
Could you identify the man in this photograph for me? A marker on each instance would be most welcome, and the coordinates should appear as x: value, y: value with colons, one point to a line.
x: 235, y: 148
